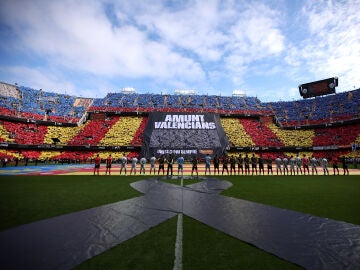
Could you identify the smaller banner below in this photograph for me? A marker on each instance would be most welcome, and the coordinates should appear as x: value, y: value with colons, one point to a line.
x: 184, y: 134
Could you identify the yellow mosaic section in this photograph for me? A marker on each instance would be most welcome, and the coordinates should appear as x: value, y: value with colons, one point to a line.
x: 353, y: 154
x: 236, y: 133
x: 114, y: 155
x: 358, y: 139
x: 4, y: 134
x: 48, y: 154
x: 301, y: 154
x: 64, y: 134
x: 13, y: 154
x: 122, y: 132
x: 293, y: 137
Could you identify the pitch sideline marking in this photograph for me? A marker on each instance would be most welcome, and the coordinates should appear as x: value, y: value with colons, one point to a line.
x: 179, y: 237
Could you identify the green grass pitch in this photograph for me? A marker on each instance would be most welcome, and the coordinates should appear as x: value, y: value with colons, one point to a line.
x: 25, y: 199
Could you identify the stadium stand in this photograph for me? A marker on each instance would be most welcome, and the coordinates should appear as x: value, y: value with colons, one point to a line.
x: 236, y: 133
x: 93, y: 131
x: 26, y: 133
x: 25, y: 102
x: 260, y: 133
x: 62, y: 134
x: 194, y: 103
x: 342, y: 135
x: 293, y: 137
x: 122, y: 132
x: 5, y: 136
x: 320, y: 122
x: 320, y: 110
x: 138, y: 138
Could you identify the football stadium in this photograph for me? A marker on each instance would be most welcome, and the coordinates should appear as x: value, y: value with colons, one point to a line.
x: 184, y: 178
x: 51, y: 145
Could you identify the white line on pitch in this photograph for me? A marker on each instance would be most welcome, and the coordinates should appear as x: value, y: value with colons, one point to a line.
x: 179, y: 238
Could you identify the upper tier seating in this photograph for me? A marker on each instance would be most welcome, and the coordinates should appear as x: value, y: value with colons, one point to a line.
x: 34, y: 104
x: 8, y: 90
x: 189, y: 103
x: 327, y: 109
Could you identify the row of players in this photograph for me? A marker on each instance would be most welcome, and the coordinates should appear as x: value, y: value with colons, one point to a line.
x: 284, y: 165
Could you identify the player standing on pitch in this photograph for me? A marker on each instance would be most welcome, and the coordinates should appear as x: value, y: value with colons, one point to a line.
x: 253, y: 164
x: 133, y: 165
x: 97, y: 162
x: 207, y: 163
x: 285, y: 165
x: 298, y: 164
x: 261, y: 164
x: 153, y: 164
x: 194, y: 162
x: 216, y: 164
x: 324, y: 164
x: 292, y: 165
x: 161, y: 165
x: 108, y: 165
x: 247, y: 164
x: 170, y: 161
x: 335, y: 165
x: 180, y: 162
x: 278, y: 163
x: 232, y: 165
x: 345, y: 166
x: 225, y: 162
x: 313, y: 164
x: 123, y: 164
x: 240, y: 162
x: 305, y: 163
x: 142, y: 165
x: 269, y: 165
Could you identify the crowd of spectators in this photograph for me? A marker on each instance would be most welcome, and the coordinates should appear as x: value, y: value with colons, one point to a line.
x: 190, y: 103
x: 29, y: 103
x: 319, y: 110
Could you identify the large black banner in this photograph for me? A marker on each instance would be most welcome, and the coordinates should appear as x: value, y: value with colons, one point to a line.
x: 184, y: 134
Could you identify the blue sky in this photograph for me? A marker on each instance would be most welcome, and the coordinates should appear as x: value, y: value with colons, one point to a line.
x: 265, y: 48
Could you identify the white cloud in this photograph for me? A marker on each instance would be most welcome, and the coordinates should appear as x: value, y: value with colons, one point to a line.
x: 215, y: 45
x: 39, y: 79
x: 78, y: 35
x: 332, y: 47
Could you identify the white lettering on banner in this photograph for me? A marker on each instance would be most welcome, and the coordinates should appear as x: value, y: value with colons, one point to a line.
x: 177, y: 151
x: 185, y: 121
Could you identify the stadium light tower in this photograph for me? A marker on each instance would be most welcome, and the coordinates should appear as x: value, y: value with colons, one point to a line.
x: 239, y: 93
x: 185, y: 92
x: 128, y: 90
